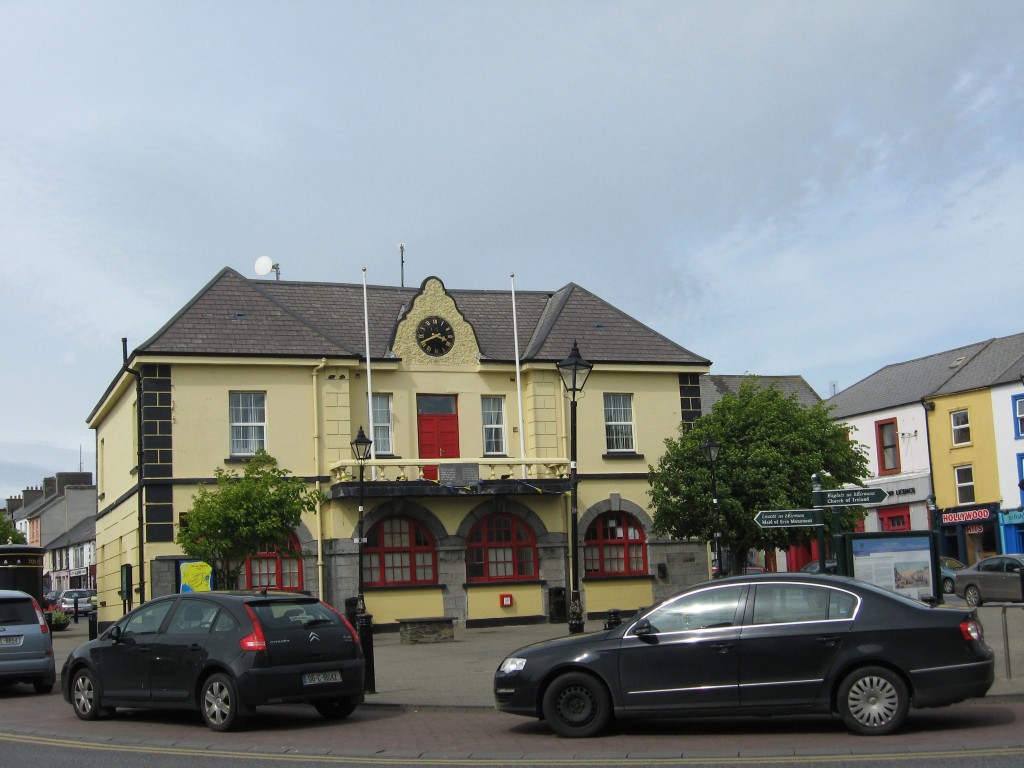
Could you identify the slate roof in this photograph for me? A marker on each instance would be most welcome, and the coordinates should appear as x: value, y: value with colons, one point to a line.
x: 233, y: 315
x: 82, y: 532
x: 974, y: 366
x: 713, y: 388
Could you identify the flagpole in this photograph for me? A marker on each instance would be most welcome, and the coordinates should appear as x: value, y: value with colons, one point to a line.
x: 369, y: 377
x: 519, y: 384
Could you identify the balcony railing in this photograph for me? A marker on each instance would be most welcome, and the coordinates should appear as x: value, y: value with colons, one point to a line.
x: 488, y: 468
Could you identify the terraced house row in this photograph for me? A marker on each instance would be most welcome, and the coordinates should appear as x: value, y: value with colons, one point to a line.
x: 466, y: 504
x: 945, y: 433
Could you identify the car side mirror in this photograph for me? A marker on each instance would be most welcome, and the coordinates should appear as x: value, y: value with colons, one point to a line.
x: 114, y: 633
x: 643, y: 627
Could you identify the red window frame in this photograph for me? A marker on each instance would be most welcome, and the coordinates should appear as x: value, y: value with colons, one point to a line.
x: 501, y: 547
x: 894, y: 518
x: 880, y: 447
x: 615, y: 544
x: 285, y: 569
x: 399, y: 551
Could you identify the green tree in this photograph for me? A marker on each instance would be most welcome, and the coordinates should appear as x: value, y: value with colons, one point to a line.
x: 771, y: 445
x: 8, y: 533
x: 244, y: 515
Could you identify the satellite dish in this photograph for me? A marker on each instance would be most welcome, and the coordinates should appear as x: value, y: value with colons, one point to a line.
x: 263, y: 265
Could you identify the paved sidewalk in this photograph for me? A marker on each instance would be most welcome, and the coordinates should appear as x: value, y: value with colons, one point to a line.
x: 459, y: 674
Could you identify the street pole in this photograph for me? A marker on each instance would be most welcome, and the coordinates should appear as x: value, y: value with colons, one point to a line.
x: 575, y: 606
x: 710, y: 449
x: 361, y: 448
x: 574, y: 371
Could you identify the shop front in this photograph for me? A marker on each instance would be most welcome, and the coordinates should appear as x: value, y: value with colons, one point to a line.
x: 970, y: 532
x: 1012, y: 530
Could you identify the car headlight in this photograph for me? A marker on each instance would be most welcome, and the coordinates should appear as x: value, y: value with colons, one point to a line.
x: 512, y: 664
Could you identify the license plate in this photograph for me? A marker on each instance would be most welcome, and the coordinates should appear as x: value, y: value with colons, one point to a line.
x: 318, y: 678
x: 11, y: 640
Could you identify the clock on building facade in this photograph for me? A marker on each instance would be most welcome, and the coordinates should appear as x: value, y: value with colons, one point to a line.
x: 435, y: 336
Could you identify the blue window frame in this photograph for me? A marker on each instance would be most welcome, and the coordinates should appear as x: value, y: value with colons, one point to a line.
x: 1018, y: 416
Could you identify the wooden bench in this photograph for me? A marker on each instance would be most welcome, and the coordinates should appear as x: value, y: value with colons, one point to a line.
x: 429, y: 629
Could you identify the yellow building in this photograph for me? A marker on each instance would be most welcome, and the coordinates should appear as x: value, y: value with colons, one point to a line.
x: 466, y: 494
x: 965, y: 471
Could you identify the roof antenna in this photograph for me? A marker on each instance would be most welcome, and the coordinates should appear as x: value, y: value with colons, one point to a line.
x: 264, y: 265
x: 401, y: 253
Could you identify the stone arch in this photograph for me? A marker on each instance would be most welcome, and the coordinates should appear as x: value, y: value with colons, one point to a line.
x: 615, y: 503
x: 500, y: 505
x: 404, y: 508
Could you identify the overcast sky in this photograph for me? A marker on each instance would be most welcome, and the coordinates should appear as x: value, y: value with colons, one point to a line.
x: 812, y: 188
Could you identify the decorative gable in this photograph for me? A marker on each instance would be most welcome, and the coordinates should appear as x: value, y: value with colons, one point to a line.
x: 434, y: 331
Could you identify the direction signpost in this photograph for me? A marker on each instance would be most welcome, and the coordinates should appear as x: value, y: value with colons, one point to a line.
x: 850, y: 497
x: 788, y: 518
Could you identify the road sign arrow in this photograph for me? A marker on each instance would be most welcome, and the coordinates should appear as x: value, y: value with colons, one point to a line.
x: 850, y: 497
x: 786, y: 518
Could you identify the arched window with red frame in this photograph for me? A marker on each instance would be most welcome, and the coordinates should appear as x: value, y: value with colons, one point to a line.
x: 615, y: 545
x: 399, y: 550
x: 501, y: 547
x: 274, y: 568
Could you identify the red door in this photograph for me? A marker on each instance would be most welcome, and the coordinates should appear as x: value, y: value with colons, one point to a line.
x: 438, y: 428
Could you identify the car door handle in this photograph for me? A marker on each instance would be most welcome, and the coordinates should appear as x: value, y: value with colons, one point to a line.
x: 828, y: 639
x: 723, y: 647
x: 195, y: 647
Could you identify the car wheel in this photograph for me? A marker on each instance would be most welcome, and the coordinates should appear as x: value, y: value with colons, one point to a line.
x: 947, y: 586
x: 85, y: 695
x: 972, y: 595
x: 219, y: 702
x: 336, y: 709
x: 577, y: 705
x: 873, y: 701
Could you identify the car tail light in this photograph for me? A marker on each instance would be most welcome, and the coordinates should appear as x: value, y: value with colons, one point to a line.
x: 345, y: 621
x: 971, y: 629
x: 43, y: 626
x: 254, y: 641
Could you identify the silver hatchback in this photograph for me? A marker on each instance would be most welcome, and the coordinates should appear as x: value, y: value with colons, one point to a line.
x: 26, y: 645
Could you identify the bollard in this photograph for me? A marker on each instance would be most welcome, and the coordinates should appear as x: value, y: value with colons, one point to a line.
x: 76, y: 610
x: 365, y: 623
x: 93, y: 623
x: 613, y: 618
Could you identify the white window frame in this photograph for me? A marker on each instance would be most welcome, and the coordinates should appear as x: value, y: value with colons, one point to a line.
x: 383, y: 428
x: 964, y: 476
x: 959, y: 429
x: 493, y: 424
x: 619, y: 427
x: 237, y: 410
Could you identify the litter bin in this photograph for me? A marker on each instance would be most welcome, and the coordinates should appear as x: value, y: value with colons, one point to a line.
x: 556, y: 605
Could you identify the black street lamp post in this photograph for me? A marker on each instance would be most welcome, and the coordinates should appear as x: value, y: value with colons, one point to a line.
x: 361, y: 450
x: 710, y: 450
x: 574, y: 371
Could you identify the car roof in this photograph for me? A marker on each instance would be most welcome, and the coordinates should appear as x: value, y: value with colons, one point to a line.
x: 10, y: 594
x: 241, y: 595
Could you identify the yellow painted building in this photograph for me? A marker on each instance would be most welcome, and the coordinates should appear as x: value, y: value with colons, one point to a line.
x: 466, y: 507
x: 965, y: 471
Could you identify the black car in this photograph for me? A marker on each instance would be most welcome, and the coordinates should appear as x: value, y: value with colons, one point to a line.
x: 222, y: 653
x: 772, y: 644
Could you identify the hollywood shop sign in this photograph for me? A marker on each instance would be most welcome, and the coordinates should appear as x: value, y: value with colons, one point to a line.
x: 967, y: 516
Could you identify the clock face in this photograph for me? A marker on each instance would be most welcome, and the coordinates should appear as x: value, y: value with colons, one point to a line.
x: 435, y: 336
